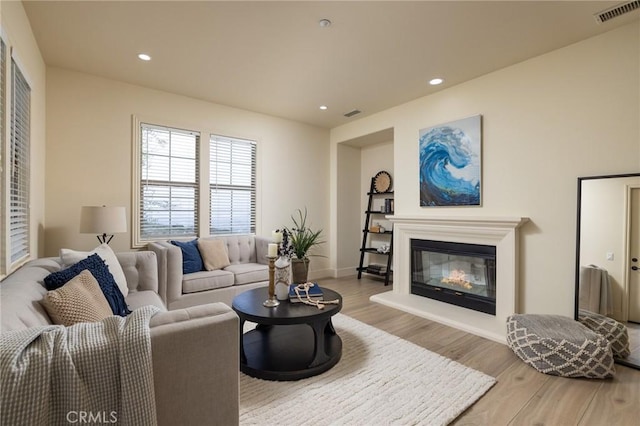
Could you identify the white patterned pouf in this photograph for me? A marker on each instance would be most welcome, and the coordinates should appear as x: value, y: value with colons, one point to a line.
x: 616, y: 333
x: 557, y: 345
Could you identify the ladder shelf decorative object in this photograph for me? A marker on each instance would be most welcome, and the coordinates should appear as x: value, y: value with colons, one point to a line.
x: 371, y: 268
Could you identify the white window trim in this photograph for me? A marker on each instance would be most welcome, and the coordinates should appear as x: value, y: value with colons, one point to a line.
x: 4, y: 165
x: 6, y: 265
x: 137, y: 123
x: 135, y: 175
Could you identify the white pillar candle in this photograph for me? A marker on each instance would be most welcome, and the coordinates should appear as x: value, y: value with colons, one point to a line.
x: 273, y: 250
x: 276, y: 236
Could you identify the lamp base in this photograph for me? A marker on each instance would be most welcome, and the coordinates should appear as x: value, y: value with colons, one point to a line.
x: 104, y: 238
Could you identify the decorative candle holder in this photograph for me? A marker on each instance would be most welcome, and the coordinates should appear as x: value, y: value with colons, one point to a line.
x: 271, y: 302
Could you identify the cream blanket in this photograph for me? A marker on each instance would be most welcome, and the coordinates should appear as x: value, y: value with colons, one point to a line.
x: 97, y: 372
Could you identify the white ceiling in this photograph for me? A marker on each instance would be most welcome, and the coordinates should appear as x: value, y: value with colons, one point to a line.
x: 273, y: 57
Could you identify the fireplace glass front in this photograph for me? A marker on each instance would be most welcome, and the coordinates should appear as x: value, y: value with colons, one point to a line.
x: 456, y: 273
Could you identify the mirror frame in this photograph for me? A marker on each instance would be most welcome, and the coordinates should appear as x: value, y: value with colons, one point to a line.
x: 577, y: 268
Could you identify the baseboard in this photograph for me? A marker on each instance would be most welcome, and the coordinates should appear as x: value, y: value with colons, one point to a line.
x: 345, y: 272
x: 320, y: 273
x: 333, y: 273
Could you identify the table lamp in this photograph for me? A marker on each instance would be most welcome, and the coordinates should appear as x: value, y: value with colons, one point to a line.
x: 103, y: 220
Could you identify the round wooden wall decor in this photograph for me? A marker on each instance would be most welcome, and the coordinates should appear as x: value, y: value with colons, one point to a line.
x: 382, y: 181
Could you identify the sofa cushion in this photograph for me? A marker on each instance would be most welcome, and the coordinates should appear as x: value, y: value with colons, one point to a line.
x: 191, y: 259
x: 214, y: 254
x: 138, y: 299
x: 248, y: 272
x: 69, y: 257
x: 241, y: 248
x: 79, y: 300
x: 207, y: 280
x: 100, y: 271
x: 141, y: 270
x: 21, y: 292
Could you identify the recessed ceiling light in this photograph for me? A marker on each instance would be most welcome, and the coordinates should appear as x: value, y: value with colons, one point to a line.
x: 435, y: 81
x: 324, y: 23
x: 144, y: 57
x: 323, y: 107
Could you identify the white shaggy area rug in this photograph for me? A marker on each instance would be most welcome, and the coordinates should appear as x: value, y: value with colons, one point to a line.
x: 381, y: 379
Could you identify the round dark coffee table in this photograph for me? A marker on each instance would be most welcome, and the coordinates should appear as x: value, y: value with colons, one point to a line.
x: 291, y: 341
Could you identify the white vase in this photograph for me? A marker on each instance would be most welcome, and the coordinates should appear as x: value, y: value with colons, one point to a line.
x: 282, y: 291
x: 282, y: 277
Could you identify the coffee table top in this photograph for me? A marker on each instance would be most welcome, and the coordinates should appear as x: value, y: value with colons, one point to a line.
x: 249, y: 306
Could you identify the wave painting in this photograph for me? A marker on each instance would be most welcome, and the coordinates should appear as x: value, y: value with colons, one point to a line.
x: 450, y: 164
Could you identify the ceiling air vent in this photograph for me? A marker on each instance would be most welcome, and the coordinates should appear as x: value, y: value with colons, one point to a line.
x: 352, y: 113
x: 614, y: 12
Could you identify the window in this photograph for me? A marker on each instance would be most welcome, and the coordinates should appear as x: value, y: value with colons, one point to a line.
x: 168, y: 183
x: 181, y: 186
x: 18, y: 168
x: 232, y: 165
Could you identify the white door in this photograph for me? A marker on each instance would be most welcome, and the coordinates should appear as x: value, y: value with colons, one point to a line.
x: 634, y: 256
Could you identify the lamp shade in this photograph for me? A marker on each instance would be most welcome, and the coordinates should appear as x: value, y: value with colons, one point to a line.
x: 103, y: 220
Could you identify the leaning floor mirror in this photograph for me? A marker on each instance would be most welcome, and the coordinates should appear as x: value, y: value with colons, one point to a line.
x: 608, y: 253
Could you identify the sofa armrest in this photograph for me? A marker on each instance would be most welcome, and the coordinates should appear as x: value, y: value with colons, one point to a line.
x: 140, y: 269
x: 262, y: 249
x: 196, y: 364
x: 169, y: 270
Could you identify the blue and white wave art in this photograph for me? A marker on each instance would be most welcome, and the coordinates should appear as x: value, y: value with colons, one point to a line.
x: 449, y: 167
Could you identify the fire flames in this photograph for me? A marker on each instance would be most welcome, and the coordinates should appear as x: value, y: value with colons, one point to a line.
x: 457, y: 277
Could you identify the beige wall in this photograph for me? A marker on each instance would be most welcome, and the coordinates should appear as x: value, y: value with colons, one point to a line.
x: 546, y: 121
x: 356, y: 164
x: 89, y: 155
x: 17, y: 34
x: 349, y: 231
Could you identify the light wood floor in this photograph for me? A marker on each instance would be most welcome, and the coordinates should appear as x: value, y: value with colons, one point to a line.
x: 521, y: 396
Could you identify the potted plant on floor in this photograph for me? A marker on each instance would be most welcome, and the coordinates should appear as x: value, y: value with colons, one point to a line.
x: 301, y: 240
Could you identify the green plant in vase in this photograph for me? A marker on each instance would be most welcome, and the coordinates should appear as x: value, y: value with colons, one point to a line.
x: 301, y: 239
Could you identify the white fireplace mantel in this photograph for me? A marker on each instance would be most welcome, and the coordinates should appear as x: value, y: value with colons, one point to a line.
x: 501, y: 232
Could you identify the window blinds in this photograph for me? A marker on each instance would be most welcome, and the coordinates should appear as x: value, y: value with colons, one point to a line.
x: 169, y: 182
x: 233, y: 185
x: 3, y: 50
x: 3, y: 177
x: 19, y: 166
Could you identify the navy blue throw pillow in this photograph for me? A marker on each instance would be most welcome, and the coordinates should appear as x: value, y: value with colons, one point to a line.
x: 99, y: 269
x: 191, y: 259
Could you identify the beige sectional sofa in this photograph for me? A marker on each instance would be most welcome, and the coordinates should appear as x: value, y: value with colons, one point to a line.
x: 197, y: 384
x: 248, y: 269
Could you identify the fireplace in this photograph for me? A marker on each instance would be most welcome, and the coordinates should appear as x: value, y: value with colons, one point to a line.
x: 456, y: 273
x: 498, y: 232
